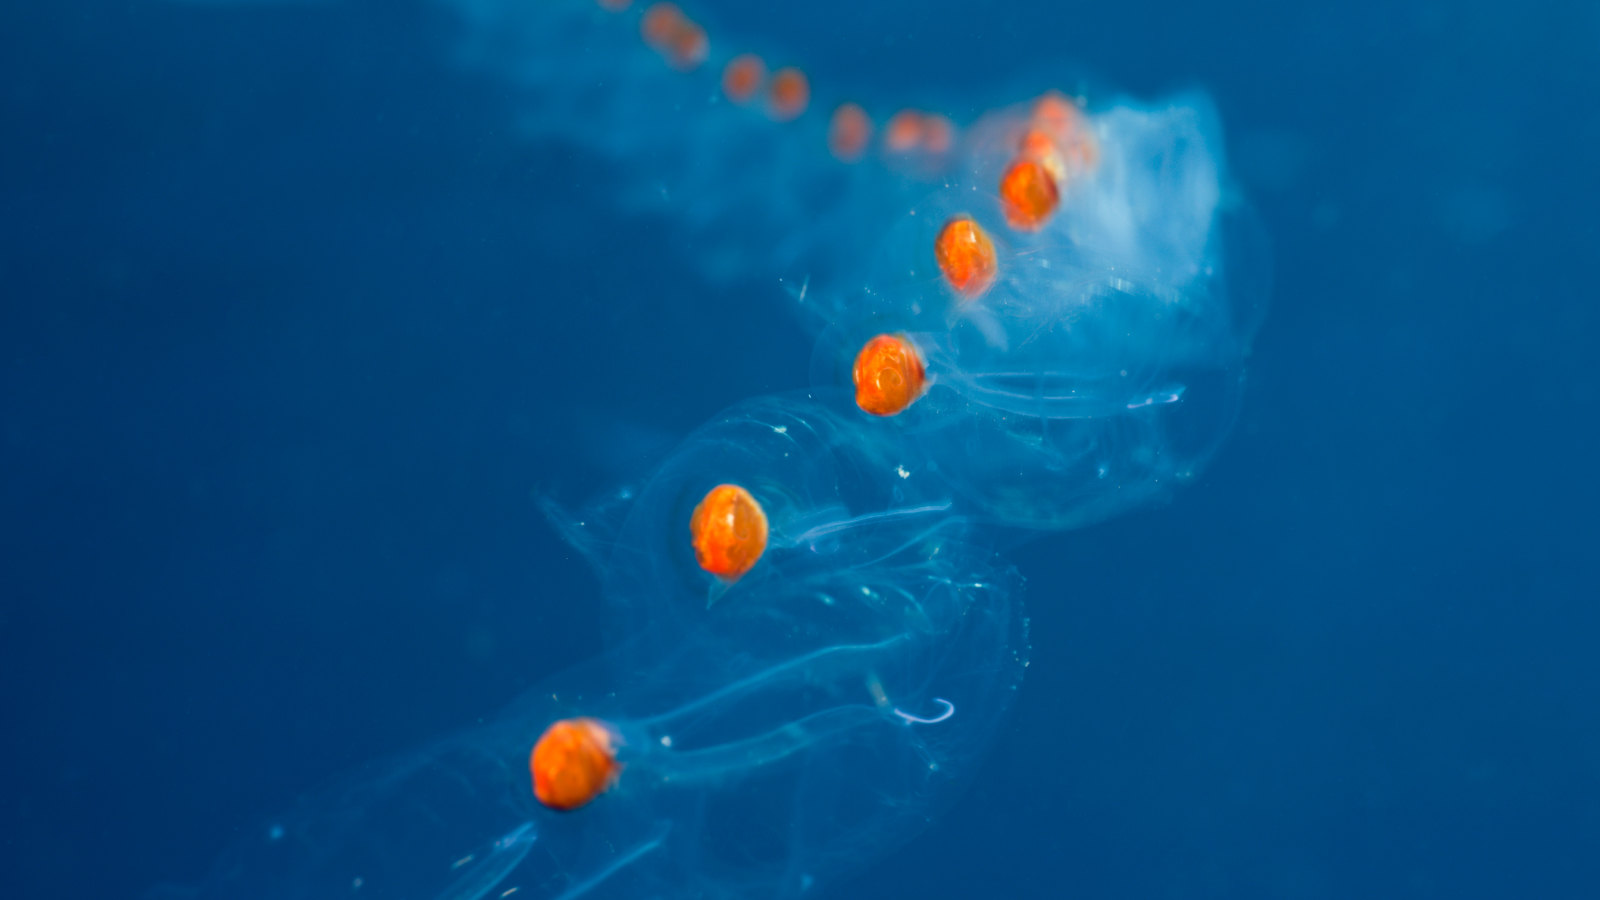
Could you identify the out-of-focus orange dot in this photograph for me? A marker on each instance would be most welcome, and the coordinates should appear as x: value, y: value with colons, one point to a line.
x: 661, y: 21
x: 574, y: 761
x: 889, y: 375
x: 789, y: 94
x: 1054, y: 111
x: 913, y: 130
x: 1028, y: 195
x: 729, y: 530
x: 966, y: 257
x: 675, y: 36
x: 848, y: 132
x: 743, y: 76
x: 1038, y: 146
x: 614, y: 5
x: 1036, y: 143
x: 904, y: 131
x: 938, y: 134
x: 1061, y: 123
x: 689, y: 47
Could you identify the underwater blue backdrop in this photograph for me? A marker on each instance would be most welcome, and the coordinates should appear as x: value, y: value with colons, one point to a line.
x: 295, y: 327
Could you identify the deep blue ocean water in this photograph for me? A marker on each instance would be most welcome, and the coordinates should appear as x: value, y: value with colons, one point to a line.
x: 276, y: 406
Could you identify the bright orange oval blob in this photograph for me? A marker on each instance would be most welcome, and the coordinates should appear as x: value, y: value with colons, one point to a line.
x: 848, y: 132
x: 729, y: 530
x: 1028, y: 195
x: 743, y: 77
x: 789, y: 95
x: 889, y: 375
x: 574, y: 762
x: 966, y: 257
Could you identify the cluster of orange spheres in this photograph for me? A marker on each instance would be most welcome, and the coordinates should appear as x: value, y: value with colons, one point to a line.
x: 911, y: 130
x: 907, y: 132
x: 575, y: 760
x: 1054, y: 143
x: 889, y: 374
x: 786, y: 93
x: 683, y: 43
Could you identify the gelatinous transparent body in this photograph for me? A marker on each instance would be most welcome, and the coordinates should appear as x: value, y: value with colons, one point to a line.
x: 807, y: 722
x: 1102, y: 361
x: 1075, y: 290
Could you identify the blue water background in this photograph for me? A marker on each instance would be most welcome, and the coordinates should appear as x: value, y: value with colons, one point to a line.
x: 294, y: 326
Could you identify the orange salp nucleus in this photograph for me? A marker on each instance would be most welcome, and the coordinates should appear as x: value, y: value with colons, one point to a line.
x: 788, y: 95
x: 889, y: 375
x: 679, y: 40
x: 904, y: 131
x: 918, y: 143
x: 729, y: 532
x: 1041, y: 148
x: 1028, y: 195
x: 1053, y: 110
x: 574, y: 761
x: 938, y: 134
x: 659, y: 23
x: 689, y: 47
x: 1063, y: 125
x: 966, y: 257
x: 848, y: 132
x: 743, y: 77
